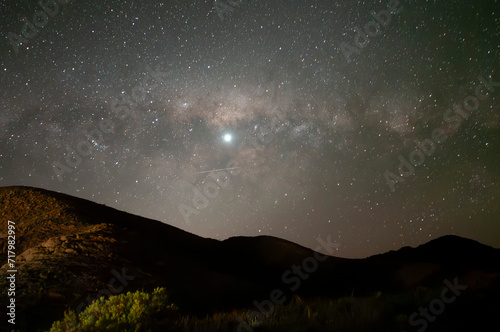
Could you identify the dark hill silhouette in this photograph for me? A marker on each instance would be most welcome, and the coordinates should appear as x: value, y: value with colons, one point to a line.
x: 69, y: 249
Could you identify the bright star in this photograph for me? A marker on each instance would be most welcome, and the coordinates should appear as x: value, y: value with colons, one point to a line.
x: 228, y: 137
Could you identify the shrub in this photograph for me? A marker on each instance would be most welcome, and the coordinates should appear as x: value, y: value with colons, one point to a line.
x: 123, y: 312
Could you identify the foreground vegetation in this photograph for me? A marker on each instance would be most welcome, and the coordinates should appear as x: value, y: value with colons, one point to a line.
x: 141, y: 311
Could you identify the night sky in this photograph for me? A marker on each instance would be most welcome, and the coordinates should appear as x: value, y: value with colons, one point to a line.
x: 373, y: 122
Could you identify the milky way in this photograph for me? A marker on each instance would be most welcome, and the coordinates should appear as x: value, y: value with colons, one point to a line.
x: 372, y: 122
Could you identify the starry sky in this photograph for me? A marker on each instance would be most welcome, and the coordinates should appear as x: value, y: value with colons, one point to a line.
x: 374, y: 123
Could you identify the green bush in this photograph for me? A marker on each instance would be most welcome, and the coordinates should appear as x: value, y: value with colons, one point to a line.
x: 124, y: 312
